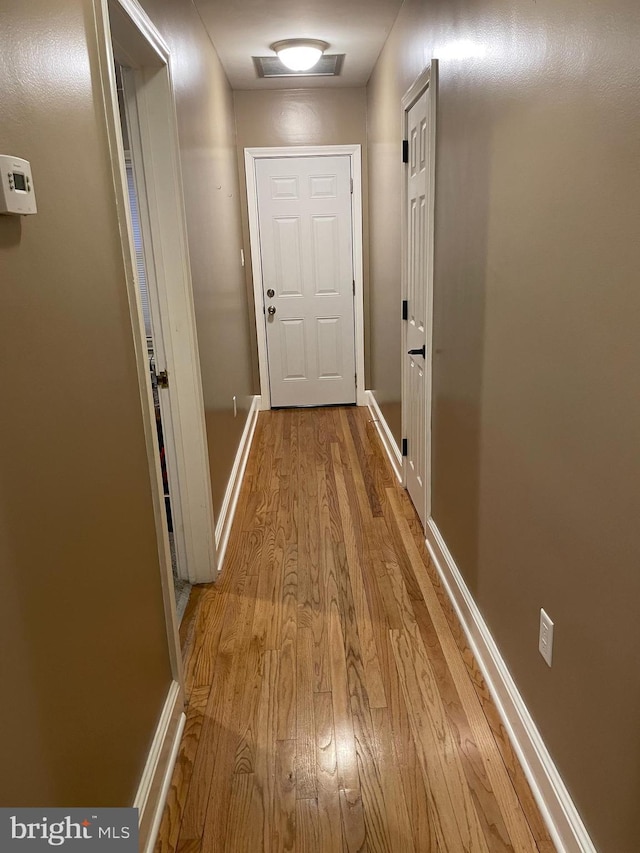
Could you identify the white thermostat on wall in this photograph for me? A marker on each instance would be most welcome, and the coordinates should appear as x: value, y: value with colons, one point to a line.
x: 18, y: 195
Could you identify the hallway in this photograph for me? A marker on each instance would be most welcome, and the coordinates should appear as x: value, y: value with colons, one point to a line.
x: 332, y: 701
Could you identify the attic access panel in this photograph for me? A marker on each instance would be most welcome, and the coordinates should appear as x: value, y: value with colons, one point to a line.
x: 329, y: 65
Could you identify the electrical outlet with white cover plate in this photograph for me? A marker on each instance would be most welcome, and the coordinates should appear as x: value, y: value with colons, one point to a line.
x: 545, y: 638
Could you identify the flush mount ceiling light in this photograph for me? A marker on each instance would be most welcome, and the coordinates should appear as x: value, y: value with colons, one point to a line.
x: 299, y: 54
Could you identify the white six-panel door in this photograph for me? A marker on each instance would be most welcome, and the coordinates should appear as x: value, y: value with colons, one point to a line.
x: 418, y: 304
x: 304, y: 214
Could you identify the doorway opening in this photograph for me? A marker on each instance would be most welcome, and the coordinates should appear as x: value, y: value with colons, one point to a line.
x: 143, y: 136
x: 147, y: 288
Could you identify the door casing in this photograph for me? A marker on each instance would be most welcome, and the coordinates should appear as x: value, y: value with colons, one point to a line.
x: 158, y: 312
x: 128, y: 35
x: 428, y: 79
x: 251, y: 155
x: 123, y: 27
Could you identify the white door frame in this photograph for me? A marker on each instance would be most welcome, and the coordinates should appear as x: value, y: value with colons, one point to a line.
x: 251, y: 155
x: 428, y: 79
x: 163, y: 355
x: 125, y: 24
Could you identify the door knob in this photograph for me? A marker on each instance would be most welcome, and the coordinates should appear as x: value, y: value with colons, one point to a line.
x: 271, y: 293
x: 271, y: 310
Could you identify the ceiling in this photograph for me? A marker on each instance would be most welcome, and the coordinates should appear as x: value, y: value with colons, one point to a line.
x: 241, y: 29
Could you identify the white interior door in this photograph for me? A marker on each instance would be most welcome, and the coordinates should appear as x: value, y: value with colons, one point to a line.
x: 304, y: 213
x: 416, y: 372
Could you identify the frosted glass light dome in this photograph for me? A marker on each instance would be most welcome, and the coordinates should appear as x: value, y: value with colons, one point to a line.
x: 299, y: 54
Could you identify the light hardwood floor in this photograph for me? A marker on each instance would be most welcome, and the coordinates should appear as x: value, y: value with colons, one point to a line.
x: 333, y: 703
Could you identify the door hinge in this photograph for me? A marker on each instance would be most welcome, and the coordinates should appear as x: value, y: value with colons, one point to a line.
x: 162, y: 379
x: 405, y: 150
x: 351, y: 184
x: 405, y: 309
x: 354, y: 286
x: 405, y: 447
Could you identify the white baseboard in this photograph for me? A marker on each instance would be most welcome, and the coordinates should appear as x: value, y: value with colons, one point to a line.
x: 386, y: 436
x: 156, y: 777
x: 558, y: 809
x: 230, y: 502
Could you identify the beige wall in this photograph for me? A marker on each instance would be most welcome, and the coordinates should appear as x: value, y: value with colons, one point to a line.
x: 384, y: 129
x: 84, y: 665
x: 81, y: 613
x: 204, y: 104
x: 536, y: 407
x: 301, y: 117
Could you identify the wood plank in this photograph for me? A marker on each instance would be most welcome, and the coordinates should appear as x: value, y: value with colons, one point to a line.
x: 353, y: 823
x: 505, y: 825
x: 400, y: 834
x: 487, y: 808
x: 214, y: 766
x: 178, y: 791
x: 372, y: 556
x: 262, y: 623
x: 244, y: 820
x: 284, y: 829
x: 330, y: 833
x: 287, y: 680
x: 200, y: 665
x: 456, y: 821
x: 246, y: 704
x: 305, y: 725
x: 514, y: 770
x: 364, y: 467
x: 272, y: 606
x: 374, y: 686
x: 211, y: 742
x: 265, y: 772
x: 324, y: 434
x: 348, y: 647
x: 309, y: 523
x: 204, y: 656
x: 193, y: 845
x: 307, y: 826
x: 188, y: 626
x: 345, y: 740
x: 422, y: 826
